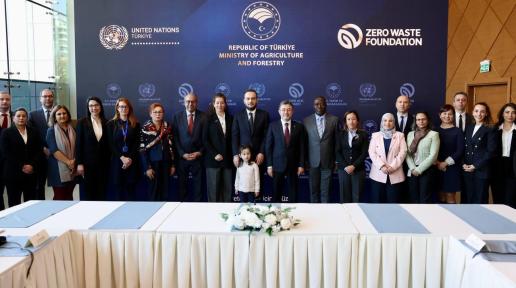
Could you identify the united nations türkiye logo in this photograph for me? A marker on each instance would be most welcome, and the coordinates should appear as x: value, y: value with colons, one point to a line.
x: 147, y: 90
x: 259, y: 88
x: 223, y: 88
x: 113, y: 37
x: 367, y: 90
x: 261, y: 20
x: 408, y: 90
x: 370, y: 127
x: 185, y: 89
x: 333, y: 90
x: 296, y: 90
x: 113, y: 90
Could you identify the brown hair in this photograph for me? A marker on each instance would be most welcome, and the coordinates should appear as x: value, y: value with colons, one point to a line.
x: 130, y: 115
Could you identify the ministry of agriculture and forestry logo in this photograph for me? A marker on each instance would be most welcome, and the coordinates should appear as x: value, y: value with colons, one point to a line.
x: 350, y: 36
x: 367, y: 90
x: 223, y: 88
x: 408, y: 90
x: 113, y: 37
x: 147, y: 90
x: 261, y: 20
x: 113, y: 90
x: 296, y: 90
x: 259, y: 88
x: 185, y: 89
x: 370, y: 127
x: 333, y: 90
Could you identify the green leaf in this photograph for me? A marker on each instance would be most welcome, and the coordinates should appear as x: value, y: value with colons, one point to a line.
x: 224, y: 216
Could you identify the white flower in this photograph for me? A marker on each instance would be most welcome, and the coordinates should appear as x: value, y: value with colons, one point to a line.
x: 251, y: 219
x: 276, y: 228
x: 265, y: 226
x: 285, y: 223
x: 237, y: 222
x: 270, y: 219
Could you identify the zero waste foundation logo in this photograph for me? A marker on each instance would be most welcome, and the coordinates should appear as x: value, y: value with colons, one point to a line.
x: 185, y: 89
x: 350, y: 36
x: 113, y: 37
x: 408, y: 90
x: 113, y: 90
x: 296, y: 90
x: 147, y: 90
x: 261, y: 20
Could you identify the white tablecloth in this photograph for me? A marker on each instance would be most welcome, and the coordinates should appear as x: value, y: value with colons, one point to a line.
x: 197, y: 249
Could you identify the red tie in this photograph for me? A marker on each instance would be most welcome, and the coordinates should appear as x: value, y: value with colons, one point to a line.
x: 4, y: 122
x: 287, y: 134
x: 190, y: 124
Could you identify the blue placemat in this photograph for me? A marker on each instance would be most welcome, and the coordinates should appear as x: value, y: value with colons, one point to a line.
x: 392, y: 218
x: 13, y: 247
x: 495, y: 257
x: 482, y: 219
x: 131, y: 215
x: 33, y: 214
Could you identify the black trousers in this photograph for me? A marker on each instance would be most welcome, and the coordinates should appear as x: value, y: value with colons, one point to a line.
x: 195, y: 168
x: 157, y: 188
x: 422, y: 187
x: 41, y: 178
x: 503, y: 184
x: 94, y: 183
x: 475, y: 188
x: 25, y: 184
x: 351, y: 186
x: 385, y: 192
x: 279, y: 180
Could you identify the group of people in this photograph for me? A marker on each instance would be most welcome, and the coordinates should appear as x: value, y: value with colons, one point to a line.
x: 410, y: 160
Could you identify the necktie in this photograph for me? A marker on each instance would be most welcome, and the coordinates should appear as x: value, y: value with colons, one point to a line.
x: 47, y: 115
x: 4, y: 122
x: 190, y: 123
x: 287, y: 134
x: 320, y: 126
x: 461, y: 126
x: 402, y: 123
x: 251, y: 122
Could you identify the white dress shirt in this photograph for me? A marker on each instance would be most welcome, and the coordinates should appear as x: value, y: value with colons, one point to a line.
x: 507, y: 140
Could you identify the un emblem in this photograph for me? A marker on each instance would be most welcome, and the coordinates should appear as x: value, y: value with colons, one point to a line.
x: 261, y: 20
x: 370, y: 127
x: 259, y: 88
x: 223, y: 88
x: 113, y: 90
x: 147, y: 90
x: 113, y: 37
x: 296, y: 90
x: 408, y: 90
x: 333, y: 90
x: 367, y: 90
x: 184, y: 89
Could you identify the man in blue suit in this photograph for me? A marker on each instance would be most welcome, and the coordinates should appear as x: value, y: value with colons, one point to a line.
x: 250, y: 128
x: 187, y: 130
x: 5, y: 122
x: 285, y: 152
x: 38, y: 119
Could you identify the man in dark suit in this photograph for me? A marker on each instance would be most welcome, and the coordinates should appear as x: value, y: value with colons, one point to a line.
x: 460, y: 104
x: 249, y: 128
x: 403, y: 124
x: 187, y: 129
x: 321, y: 129
x: 285, y: 152
x: 5, y: 122
x: 38, y: 120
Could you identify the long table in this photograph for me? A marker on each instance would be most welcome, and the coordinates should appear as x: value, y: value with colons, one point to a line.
x: 188, y: 245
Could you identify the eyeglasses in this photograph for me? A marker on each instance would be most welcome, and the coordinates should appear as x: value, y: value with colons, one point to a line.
x: 157, y: 112
x: 122, y: 107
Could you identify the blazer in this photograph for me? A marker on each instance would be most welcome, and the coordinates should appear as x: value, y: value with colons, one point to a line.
x: 89, y: 151
x: 321, y: 150
x: 184, y: 142
x: 38, y: 121
x: 427, y: 150
x: 395, y: 157
x: 354, y: 155
x: 17, y: 153
x: 278, y: 155
x: 1, y: 130
x: 499, y: 147
x: 216, y: 142
x: 242, y: 134
x: 479, y: 149
x: 469, y: 120
x: 408, y: 123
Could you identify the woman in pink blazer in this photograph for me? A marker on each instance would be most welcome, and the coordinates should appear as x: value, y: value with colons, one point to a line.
x: 387, y: 151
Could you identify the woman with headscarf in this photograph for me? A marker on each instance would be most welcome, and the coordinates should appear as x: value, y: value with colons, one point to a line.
x: 387, y: 151
x: 423, y: 147
x: 92, y: 152
x: 156, y: 153
x: 61, y: 139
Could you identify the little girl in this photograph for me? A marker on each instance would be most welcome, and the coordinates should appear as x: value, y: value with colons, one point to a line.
x: 247, y: 180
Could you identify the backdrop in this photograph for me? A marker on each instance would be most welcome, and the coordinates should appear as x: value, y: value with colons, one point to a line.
x: 359, y: 54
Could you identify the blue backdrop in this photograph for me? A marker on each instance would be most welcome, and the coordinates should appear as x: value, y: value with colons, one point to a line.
x: 359, y: 54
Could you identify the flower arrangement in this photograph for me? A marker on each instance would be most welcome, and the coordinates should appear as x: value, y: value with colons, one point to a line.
x: 269, y: 219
